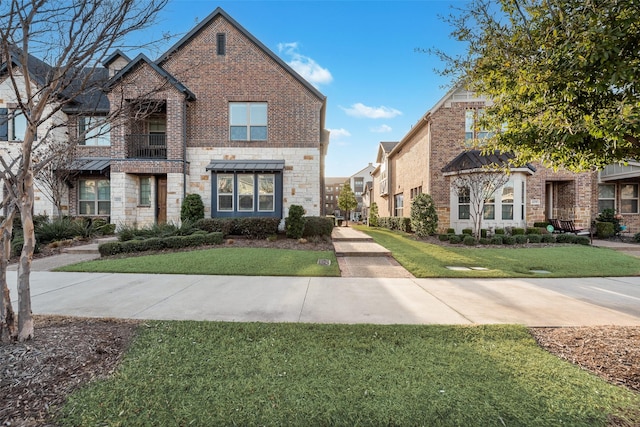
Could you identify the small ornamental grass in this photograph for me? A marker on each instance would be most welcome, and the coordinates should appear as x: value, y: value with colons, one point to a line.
x: 211, y: 374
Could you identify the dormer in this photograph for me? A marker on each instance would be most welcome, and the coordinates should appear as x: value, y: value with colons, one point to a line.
x: 116, y: 62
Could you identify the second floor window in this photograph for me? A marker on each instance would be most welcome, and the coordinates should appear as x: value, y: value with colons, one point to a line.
x: 13, y: 125
x: 472, y: 130
x: 248, y: 121
x: 94, y: 130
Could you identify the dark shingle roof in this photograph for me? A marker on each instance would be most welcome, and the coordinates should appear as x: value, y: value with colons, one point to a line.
x: 474, y: 159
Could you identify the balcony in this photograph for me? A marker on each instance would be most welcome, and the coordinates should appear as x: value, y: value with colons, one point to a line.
x: 384, y: 189
x: 146, y: 146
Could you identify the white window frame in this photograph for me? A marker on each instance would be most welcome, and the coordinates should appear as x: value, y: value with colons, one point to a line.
x: 247, y: 117
x: 464, y: 200
x: 94, y: 131
x: 606, y: 199
x: 145, y: 190
x: 18, y: 122
x: 264, y: 194
x: 503, y: 203
x: 246, y: 191
x: 219, y: 178
x: 96, y: 201
x: 635, y: 200
x: 398, y: 201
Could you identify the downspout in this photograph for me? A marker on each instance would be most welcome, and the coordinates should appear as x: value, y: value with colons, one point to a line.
x: 184, y: 149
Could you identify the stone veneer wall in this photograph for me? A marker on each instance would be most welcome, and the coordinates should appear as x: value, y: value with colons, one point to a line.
x: 301, y: 176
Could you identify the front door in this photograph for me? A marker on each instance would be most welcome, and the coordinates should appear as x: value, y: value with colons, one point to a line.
x: 161, y: 199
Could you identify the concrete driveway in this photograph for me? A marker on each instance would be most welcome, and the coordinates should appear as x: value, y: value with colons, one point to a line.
x: 531, y: 302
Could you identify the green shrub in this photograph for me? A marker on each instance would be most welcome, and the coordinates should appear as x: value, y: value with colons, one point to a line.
x: 373, y: 215
x: 109, y: 248
x: 582, y: 240
x: 255, y: 227
x: 395, y: 223
x: 516, y: 231
x: 469, y: 240
x: 521, y: 239
x: 509, y: 240
x: 499, y: 231
x: 423, y: 218
x: 455, y: 239
x: 58, y: 229
x: 533, y: 230
x: 636, y: 237
x: 497, y: 239
x: 604, y: 230
x: 548, y: 238
x: 222, y: 225
x: 467, y: 231
x: 484, y: 241
x: 192, y: 208
x: 294, y: 224
x: 535, y: 238
x: 451, y: 231
x: 157, y: 243
x: 542, y: 224
x: 565, y: 238
x: 443, y: 237
x: 483, y: 232
x: 317, y: 226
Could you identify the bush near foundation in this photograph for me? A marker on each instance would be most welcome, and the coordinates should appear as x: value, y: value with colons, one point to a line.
x: 158, y: 243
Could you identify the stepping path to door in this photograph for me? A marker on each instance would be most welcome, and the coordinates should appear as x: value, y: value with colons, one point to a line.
x: 359, y: 256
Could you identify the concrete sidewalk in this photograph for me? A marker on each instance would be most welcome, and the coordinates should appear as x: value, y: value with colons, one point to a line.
x: 373, y: 297
x: 531, y: 302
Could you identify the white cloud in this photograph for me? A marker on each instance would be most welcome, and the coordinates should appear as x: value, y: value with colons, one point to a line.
x: 362, y: 111
x: 338, y: 133
x: 303, y: 65
x: 381, y: 129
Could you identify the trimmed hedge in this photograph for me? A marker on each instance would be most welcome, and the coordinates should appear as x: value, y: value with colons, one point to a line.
x: 548, y: 238
x: 469, y: 240
x: 521, y: 239
x: 255, y: 227
x: 222, y: 225
x: 160, y: 243
x: 535, y: 238
x: 317, y: 226
x: 455, y: 239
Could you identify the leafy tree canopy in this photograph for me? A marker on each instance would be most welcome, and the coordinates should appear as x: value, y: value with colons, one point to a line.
x: 347, y: 199
x: 564, y: 76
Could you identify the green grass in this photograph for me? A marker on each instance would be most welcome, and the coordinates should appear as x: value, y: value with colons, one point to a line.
x: 429, y: 260
x: 220, y: 261
x: 208, y: 373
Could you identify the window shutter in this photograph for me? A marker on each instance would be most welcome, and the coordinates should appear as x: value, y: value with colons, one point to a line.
x: 4, y: 125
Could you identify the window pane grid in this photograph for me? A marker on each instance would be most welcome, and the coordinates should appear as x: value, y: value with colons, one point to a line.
x: 248, y: 121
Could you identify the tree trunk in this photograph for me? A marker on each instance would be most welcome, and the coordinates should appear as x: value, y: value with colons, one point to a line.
x: 25, y: 318
x: 7, y: 317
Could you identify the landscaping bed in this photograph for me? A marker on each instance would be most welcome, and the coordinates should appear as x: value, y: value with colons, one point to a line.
x: 67, y: 352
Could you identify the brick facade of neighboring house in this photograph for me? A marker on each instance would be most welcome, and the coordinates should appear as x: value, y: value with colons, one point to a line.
x: 418, y: 163
x: 218, y: 114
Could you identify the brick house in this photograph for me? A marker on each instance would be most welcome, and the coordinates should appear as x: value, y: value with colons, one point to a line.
x: 437, y: 149
x: 218, y: 114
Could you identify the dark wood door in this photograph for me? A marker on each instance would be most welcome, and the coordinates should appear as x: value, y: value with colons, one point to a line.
x: 161, y: 200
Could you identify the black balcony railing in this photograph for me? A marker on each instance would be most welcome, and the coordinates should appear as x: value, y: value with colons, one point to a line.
x: 147, y: 146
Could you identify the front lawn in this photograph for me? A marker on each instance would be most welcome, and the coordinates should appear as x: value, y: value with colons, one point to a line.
x: 210, y: 373
x: 220, y: 261
x: 431, y: 260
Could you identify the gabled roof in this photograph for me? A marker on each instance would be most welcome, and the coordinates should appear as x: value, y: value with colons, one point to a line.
x: 220, y: 12
x: 115, y: 55
x: 91, y: 99
x: 474, y: 159
x: 142, y: 59
x: 385, y: 148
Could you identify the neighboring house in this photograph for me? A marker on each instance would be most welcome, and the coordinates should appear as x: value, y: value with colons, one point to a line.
x: 380, y: 180
x: 333, y: 187
x: 357, y: 182
x: 218, y: 114
x: 366, y: 200
x: 438, y: 148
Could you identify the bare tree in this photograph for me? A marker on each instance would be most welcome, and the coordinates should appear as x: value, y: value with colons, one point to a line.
x: 50, y: 52
x: 475, y: 187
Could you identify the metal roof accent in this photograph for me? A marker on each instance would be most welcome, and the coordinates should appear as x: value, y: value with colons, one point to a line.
x: 90, y: 164
x: 474, y: 159
x: 245, y: 165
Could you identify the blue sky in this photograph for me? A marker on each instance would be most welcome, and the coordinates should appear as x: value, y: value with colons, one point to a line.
x: 359, y: 54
